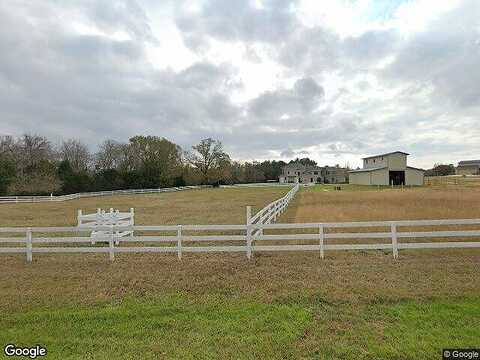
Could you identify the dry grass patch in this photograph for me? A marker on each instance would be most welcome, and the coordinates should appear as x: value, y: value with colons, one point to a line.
x: 407, y: 204
x: 206, y: 206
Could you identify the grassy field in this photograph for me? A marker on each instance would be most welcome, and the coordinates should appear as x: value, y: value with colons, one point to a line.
x: 207, y: 206
x: 363, y: 203
x: 351, y: 305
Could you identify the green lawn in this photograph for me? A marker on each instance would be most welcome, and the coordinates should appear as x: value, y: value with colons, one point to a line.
x: 217, y: 326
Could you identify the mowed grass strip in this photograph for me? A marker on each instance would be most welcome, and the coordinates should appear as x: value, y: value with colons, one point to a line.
x: 170, y: 327
x: 403, y: 330
x: 219, y: 327
x: 205, y: 206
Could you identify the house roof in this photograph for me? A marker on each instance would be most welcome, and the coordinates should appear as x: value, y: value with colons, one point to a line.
x: 381, y: 168
x: 368, y: 170
x: 469, y: 162
x: 295, y: 164
x: 390, y: 153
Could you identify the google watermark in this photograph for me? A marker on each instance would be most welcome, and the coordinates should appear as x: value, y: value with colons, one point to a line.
x: 463, y: 354
x: 31, y: 352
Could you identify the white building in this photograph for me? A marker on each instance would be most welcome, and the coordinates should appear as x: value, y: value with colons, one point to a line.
x: 387, y: 169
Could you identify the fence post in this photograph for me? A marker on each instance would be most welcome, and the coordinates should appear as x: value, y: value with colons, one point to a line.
x: 249, y: 232
x: 29, y: 245
x: 179, y: 242
x: 132, y: 220
x: 111, y: 243
x: 321, y: 236
x: 394, y: 241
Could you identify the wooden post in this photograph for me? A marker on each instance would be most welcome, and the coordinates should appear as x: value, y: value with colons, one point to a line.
x: 394, y: 241
x: 321, y: 236
x: 179, y: 242
x: 79, y: 216
x: 249, y: 232
x: 111, y: 243
x: 29, y: 245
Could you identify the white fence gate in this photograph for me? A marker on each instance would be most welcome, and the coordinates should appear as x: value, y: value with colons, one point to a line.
x: 102, y: 218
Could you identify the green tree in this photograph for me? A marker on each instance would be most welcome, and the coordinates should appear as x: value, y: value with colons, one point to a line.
x: 157, y: 160
x: 208, y: 157
x: 7, y: 174
x: 73, y: 181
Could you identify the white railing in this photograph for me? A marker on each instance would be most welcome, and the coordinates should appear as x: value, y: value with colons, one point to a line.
x: 186, y: 238
x: 35, y: 199
x: 272, y: 211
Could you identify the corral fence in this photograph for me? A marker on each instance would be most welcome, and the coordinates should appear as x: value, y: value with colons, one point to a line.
x: 38, y: 199
x: 313, y: 237
x: 258, y: 234
x: 452, y: 180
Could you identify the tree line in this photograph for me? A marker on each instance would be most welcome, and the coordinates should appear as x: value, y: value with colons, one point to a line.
x: 33, y: 165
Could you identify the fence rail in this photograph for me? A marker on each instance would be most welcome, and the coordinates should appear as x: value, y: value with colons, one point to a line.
x: 36, y: 199
x: 270, y: 237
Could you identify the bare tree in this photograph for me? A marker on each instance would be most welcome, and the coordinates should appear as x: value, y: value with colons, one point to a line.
x: 32, y: 150
x: 76, y: 153
x: 110, y: 155
x: 207, y: 157
x: 8, y: 146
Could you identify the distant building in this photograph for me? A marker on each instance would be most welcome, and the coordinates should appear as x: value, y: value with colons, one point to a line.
x: 298, y: 173
x: 387, y: 169
x: 468, y: 167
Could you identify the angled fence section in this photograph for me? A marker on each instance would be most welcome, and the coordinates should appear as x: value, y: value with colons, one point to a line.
x: 267, y: 215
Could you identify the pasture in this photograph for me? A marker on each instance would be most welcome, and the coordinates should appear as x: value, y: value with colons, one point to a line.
x: 350, y: 305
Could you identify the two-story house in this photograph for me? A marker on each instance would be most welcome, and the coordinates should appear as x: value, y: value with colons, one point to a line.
x: 298, y: 173
x: 468, y: 167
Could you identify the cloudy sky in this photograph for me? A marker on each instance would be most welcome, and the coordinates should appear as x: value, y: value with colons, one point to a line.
x: 272, y: 79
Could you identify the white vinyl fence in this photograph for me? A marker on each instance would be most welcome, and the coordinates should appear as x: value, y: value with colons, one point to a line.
x: 36, y: 199
x: 315, y: 237
x: 268, y: 214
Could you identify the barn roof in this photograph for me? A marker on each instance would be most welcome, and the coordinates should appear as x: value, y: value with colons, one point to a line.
x: 368, y: 170
x: 390, y: 153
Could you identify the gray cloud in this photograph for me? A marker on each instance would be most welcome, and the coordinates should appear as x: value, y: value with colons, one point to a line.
x: 238, y: 21
x: 445, y: 56
x: 302, y: 99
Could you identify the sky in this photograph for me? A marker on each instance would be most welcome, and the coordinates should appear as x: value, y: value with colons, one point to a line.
x: 271, y: 79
